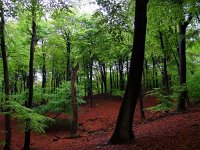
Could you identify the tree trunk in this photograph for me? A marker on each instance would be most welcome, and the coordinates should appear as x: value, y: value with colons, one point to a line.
x: 182, y: 65
x: 147, y: 77
x: 165, y: 75
x: 91, y: 91
x: 43, y: 77
x: 31, y: 76
x: 117, y: 78
x: 141, y: 105
x: 121, y: 75
x: 123, y: 130
x: 74, y: 124
x: 111, y: 80
x: 153, y: 71
x: 6, y: 80
x: 68, y: 45
x: 104, y: 78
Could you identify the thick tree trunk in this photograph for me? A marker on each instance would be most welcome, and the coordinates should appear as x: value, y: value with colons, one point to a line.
x: 123, y: 130
x: 182, y: 67
x: 31, y: 77
x: 6, y: 80
x: 74, y: 124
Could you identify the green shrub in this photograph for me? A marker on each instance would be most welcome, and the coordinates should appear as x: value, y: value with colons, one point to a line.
x: 38, y: 122
x: 117, y: 92
x: 193, y: 85
x: 165, y: 101
x: 60, y: 101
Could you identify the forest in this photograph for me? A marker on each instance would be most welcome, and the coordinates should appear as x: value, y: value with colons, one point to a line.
x: 99, y: 74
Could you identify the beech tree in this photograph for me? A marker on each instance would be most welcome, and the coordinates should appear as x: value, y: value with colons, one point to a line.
x: 29, y: 102
x: 123, y: 129
x: 6, y: 78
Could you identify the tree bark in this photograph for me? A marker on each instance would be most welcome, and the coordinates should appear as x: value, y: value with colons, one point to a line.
x: 74, y: 124
x: 141, y: 105
x: 31, y: 76
x: 111, y: 80
x: 43, y: 77
x: 121, y: 75
x: 182, y: 65
x: 123, y: 130
x: 91, y: 89
x: 68, y: 45
x: 7, y: 145
x: 165, y: 74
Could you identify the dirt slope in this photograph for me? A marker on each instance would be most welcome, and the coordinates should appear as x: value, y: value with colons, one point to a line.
x: 163, y: 132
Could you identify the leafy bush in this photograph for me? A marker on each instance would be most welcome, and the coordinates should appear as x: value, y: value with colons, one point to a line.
x: 20, y: 97
x: 60, y: 101
x: 38, y: 122
x: 166, y: 102
x: 117, y: 92
x: 193, y: 85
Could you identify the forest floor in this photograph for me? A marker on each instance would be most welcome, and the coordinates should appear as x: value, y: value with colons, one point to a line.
x: 159, y: 131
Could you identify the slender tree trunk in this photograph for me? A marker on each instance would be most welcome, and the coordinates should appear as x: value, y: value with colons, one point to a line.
x: 43, y: 76
x: 121, y: 75
x: 97, y: 84
x: 165, y: 75
x: 74, y: 124
x: 123, y: 130
x: 111, y: 80
x: 104, y: 77
x: 153, y: 71
x: 141, y: 105
x: 147, y: 77
x: 91, y: 89
x: 117, y: 78
x: 68, y: 70
x: 52, y: 77
x: 31, y: 76
x: 127, y: 66
x: 7, y: 145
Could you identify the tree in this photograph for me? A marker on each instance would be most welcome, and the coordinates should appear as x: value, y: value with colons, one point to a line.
x: 6, y: 79
x: 31, y: 75
x: 182, y: 64
x: 123, y: 129
x: 74, y: 102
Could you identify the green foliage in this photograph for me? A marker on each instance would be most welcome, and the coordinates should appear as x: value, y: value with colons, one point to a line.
x: 20, y: 98
x: 38, y: 122
x: 193, y: 85
x: 117, y: 92
x: 2, y: 143
x: 61, y: 100
x: 165, y: 101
